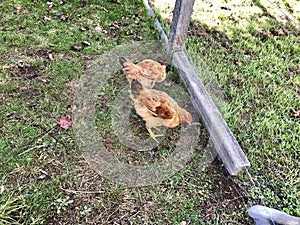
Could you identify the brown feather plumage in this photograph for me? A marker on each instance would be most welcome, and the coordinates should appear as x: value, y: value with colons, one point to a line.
x: 147, y: 72
x: 157, y: 108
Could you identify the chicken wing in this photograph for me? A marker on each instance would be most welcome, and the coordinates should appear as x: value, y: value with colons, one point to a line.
x: 157, y: 108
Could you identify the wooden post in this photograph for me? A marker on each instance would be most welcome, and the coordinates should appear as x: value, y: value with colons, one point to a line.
x: 180, y: 24
x: 224, y: 141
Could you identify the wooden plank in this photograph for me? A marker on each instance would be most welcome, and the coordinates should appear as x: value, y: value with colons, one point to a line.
x: 180, y: 24
x: 224, y: 141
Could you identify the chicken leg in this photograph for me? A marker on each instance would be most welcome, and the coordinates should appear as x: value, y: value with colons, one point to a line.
x: 152, y: 135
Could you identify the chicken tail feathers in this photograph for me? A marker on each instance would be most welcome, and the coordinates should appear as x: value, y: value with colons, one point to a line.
x: 123, y: 60
x: 136, y: 88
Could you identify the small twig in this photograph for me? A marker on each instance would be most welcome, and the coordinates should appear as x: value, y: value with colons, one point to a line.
x: 118, y: 219
x: 81, y: 192
x: 58, y: 140
x: 54, y: 137
x: 33, y: 148
x: 110, y: 215
x: 121, y: 217
x: 225, y: 201
x: 46, y: 131
x: 38, y: 136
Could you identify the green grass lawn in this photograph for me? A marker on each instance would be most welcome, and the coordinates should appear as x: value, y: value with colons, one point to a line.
x: 46, y: 180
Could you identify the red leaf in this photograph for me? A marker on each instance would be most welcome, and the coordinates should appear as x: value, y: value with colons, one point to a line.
x: 65, y: 122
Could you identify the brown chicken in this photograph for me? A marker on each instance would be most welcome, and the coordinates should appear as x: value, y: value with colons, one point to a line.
x: 147, y: 72
x: 157, y: 108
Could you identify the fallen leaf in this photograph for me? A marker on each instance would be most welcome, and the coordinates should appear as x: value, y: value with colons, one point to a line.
x: 43, y: 80
x: 90, y: 35
x: 64, y: 17
x: 239, y: 63
x: 281, y: 32
x: 65, y: 122
x: 86, y: 43
x: 138, y: 38
x: 128, y: 32
x: 183, y: 223
x: 76, y: 47
x: 17, y: 8
x: 113, y: 33
x: 295, y: 113
x: 100, y: 30
x: 50, y: 4
x: 86, y: 65
x: 83, y: 28
x: 50, y: 56
x: 214, y: 27
x: 88, y: 57
x: 202, y: 49
x: 266, y: 33
x: 46, y: 18
x: 83, y: 3
x: 42, y: 177
x: 116, y: 25
x: 247, y: 56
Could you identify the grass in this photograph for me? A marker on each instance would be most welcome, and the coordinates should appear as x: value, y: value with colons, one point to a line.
x: 9, y: 210
x: 262, y: 93
x: 252, y: 70
x: 52, y: 183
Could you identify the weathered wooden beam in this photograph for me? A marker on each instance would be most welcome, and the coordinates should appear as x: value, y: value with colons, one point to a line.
x: 180, y: 24
x: 224, y: 141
